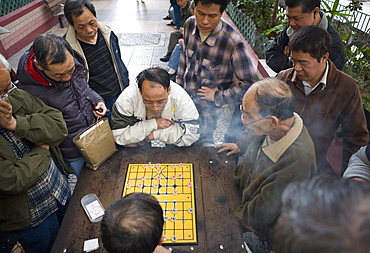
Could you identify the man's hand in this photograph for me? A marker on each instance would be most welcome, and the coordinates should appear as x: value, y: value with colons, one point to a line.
x: 150, y: 137
x: 228, y: 146
x: 181, y: 42
x: 181, y: 30
x: 7, y: 120
x: 100, y: 110
x: 207, y: 93
x: 163, y: 123
x: 42, y: 145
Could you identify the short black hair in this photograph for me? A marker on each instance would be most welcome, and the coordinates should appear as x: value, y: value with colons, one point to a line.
x: 50, y: 49
x: 307, y: 5
x: 156, y: 75
x: 275, y: 98
x: 223, y: 3
x: 325, y: 214
x: 76, y: 7
x: 311, y: 39
x: 133, y: 223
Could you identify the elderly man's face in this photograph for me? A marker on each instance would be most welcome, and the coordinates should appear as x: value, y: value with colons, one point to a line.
x: 207, y: 16
x: 86, y: 25
x: 154, y: 97
x: 297, y: 19
x: 61, y: 72
x: 251, y: 119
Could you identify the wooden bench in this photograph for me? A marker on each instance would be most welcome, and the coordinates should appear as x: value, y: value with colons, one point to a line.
x: 57, y: 8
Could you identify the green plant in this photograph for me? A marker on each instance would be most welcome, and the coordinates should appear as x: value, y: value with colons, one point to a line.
x: 358, y: 66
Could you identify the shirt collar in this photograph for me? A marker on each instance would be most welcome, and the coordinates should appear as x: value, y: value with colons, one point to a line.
x: 277, y: 149
x: 307, y: 86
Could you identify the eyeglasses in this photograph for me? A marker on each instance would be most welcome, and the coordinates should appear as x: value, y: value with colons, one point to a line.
x: 2, y: 97
x: 254, y: 121
x: 160, y: 104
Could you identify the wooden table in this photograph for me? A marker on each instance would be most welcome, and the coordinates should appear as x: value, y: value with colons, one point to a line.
x: 217, y: 197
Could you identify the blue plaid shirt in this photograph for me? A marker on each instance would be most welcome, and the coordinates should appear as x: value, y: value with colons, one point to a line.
x: 215, y: 62
x: 51, y: 188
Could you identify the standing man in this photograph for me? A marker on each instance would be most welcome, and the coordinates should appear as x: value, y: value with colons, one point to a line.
x: 281, y: 152
x: 301, y: 13
x: 155, y: 109
x: 96, y: 47
x: 326, y: 97
x: 34, y: 190
x: 49, y: 71
x: 214, y: 66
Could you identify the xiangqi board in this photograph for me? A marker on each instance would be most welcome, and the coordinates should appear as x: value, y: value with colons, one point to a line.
x: 173, y: 186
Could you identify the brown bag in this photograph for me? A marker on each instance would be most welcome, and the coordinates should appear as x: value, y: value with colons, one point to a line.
x: 96, y: 143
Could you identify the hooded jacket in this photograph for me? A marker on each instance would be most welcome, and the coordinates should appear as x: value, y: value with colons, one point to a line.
x: 75, y: 99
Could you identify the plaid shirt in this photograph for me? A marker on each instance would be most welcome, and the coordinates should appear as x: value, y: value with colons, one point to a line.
x: 215, y: 62
x: 51, y: 188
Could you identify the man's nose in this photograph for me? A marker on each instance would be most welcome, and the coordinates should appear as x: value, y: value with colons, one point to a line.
x: 291, y: 22
x: 66, y: 77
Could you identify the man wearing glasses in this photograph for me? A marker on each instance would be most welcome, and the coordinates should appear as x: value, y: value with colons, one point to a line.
x: 33, y: 184
x: 49, y: 71
x: 281, y: 152
x: 154, y: 109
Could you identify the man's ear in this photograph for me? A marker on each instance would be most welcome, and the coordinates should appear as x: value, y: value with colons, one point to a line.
x: 325, y: 57
x: 161, y: 240
x: 38, y: 65
x: 169, y: 90
x: 274, y: 122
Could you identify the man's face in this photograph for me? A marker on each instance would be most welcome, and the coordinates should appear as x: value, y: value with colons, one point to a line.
x: 207, y: 17
x: 60, y: 72
x: 86, y: 25
x: 182, y: 3
x: 251, y: 119
x: 297, y: 19
x: 308, y: 68
x: 154, y: 97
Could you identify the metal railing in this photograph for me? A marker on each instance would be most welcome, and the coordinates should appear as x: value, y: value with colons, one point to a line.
x: 7, y: 6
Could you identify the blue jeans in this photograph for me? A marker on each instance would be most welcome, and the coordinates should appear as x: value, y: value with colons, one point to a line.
x: 175, y: 13
x: 109, y: 104
x: 175, y: 58
x: 40, y: 239
x: 75, y: 165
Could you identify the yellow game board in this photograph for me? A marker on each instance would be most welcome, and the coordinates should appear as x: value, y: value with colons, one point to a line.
x: 173, y: 186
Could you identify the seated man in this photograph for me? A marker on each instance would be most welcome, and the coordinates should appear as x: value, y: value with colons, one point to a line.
x: 326, y: 97
x: 324, y: 215
x: 33, y: 184
x: 301, y: 13
x: 49, y: 71
x: 134, y: 223
x: 155, y: 109
x: 281, y: 152
x: 359, y: 165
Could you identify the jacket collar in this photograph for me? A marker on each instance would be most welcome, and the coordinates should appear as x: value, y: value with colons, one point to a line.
x: 277, y: 149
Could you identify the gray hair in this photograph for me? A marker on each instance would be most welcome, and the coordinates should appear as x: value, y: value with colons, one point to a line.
x: 5, y: 63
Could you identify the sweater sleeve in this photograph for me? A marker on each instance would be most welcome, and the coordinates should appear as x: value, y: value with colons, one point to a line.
x: 275, y: 57
x: 359, y: 165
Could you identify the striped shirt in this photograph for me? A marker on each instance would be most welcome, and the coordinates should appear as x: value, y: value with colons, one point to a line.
x: 215, y: 62
x: 51, y: 188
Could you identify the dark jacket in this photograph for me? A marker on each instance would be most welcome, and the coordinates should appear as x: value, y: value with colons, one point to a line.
x: 113, y: 46
x: 277, y: 61
x: 38, y: 123
x: 323, y: 110
x: 75, y: 99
